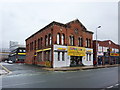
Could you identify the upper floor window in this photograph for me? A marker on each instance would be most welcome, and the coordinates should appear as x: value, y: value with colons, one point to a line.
x: 58, y: 38
x: 31, y: 46
x: 80, y: 41
x: 35, y: 45
x: 27, y: 47
x: 24, y: 50
x: 63, y: 39
x: 39, y: 44
x: 88, y: 42
x: 20, y: 50
x: 50, y: 39
x: 71, y: 40
x: 76, y: 31
x: 46, y: 40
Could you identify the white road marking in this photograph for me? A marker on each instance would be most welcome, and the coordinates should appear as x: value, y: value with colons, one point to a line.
x: 110, y: 87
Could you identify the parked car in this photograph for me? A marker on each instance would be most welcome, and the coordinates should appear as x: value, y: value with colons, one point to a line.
x: 10, y: 61
x: 6, y: 61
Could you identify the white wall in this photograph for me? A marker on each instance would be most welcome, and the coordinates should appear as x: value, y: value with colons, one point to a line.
x: 84, y: 59
x: 65, y: 63
x: 61, y: 63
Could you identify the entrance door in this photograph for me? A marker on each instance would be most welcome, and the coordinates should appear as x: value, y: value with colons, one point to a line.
x: 76, y: 61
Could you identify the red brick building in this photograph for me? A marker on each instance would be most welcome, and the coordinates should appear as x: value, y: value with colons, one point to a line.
x: 107, y: 52
x: 60, y: 45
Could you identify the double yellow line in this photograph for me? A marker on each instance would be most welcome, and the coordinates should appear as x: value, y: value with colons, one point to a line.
x: 5, y: 68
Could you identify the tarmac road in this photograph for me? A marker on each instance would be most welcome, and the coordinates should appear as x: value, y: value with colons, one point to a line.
x: 29, y: 77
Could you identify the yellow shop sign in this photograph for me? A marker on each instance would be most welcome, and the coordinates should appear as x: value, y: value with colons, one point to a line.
x: 61, y: 49
x: 114, y: 54
x: 76, y: 51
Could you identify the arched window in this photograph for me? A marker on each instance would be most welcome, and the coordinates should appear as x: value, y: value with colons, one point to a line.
x: 41, y: 42
x: 63, y: 39
x: 46, y: 40
x: 50, y: 39
x: 58, y: 38
x: 87, y: 41
x: 71, y: 40
x: 80, y: 41
x: 35, y: 45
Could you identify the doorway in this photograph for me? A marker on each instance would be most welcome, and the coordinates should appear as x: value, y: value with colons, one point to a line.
x: 76, y: 61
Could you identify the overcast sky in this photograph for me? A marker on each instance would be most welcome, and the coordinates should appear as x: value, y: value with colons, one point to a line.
x: 19, y: 20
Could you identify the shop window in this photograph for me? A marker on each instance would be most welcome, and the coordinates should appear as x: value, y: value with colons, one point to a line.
x: 49, y: 55
x: 58, y: 56
x: 63, y: 39
x: 63, y: 56
x: 40, y: 56
x: 89, y: 57
x: 58, y: 38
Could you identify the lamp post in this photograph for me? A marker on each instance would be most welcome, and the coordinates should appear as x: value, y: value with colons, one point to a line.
x: 97, y: 44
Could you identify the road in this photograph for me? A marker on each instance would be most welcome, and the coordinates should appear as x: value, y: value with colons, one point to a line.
x: 26, y: 76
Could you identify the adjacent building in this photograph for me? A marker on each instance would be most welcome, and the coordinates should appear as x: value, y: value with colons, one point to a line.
x: 106, y: 52
x: 60, y: 45
x: 18, y: 55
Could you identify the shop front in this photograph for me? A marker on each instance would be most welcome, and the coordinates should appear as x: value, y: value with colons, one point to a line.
x: 61, y: 58
x: 42, y: 57
x: 100, y: 58
x: 114, y: 57
x: 77, y: 55
x: 66, y: 56
x: 88, y: 57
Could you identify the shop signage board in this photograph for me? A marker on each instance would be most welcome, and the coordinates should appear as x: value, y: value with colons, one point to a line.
x: 114, y: 54
x: 89, y: 51
x: 76, y: 51
x: 60, y: 48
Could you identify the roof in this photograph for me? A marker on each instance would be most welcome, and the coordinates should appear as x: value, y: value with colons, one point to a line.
x: 107, y: 42
x: 60, y: 24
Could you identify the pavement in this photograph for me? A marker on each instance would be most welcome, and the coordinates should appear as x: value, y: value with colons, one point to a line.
x: 3, y: 70
x: 79, y: 68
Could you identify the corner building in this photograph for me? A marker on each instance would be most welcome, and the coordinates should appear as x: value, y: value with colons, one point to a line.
x: 60, y: 45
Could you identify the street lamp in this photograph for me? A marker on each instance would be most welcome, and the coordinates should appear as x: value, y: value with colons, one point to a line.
x: 97, y: 44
